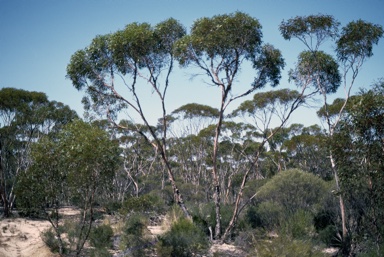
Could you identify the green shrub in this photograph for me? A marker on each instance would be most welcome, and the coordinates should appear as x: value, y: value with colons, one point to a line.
x: 329, y: 236
x: 226, y: 212
x: 192, y: 193
x: 253, y: 218
x: 184, y: 239
x: 323, y: 219
x: 111, y: 207
x: 294, y: 190
x: 298, y: 226
x: 141, y: 204
x: 49, y: 238
x: 135, y: 236
x: 270, y: 214
x: 285, y: 246
x: 101, y: 236
x: 100, y: 252
x: 72, y: 229
x: 371, y: 249
x: 325, y: 227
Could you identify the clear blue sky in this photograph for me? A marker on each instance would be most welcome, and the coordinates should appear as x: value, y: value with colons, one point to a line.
x: 38, y: 37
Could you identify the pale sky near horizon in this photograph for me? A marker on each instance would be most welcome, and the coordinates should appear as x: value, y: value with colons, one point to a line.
x: 38, y: 37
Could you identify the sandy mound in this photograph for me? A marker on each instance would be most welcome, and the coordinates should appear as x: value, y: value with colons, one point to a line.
x: 21, y: 238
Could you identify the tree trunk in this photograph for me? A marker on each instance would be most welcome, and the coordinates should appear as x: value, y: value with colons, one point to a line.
x: 239, y: 196
x: 215, y: 176
x: 3, y: 192
x: 55, y: 226
x: 341, y: 200
x: 177, y: 195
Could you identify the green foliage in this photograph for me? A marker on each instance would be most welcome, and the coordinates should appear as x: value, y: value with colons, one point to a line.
x: 357, y: 40
x: 294, y: 190
x: 138, y: 46
x: 193, y: 193
x: 44, y: 183
x: 285, y: 246
x: 71, y: 228
x: 317, y: 69
x: 268, y: 215
x: 74, y: 163
x: 358, y: 150
x: 221, y: 35
x: 49, y: 238
x: 25, y: 116
x: 330, y: 236
x: 100, y: 252
x: 227, y: 40
x: 194, y: 110
x: 135, y: 236
x: 112, y: 207
x: 298, y: 226
x: 266, y: 100
x: 101, y: 236
x: 183, y: 239
x: 207, y: 213
x: 318, y: 26
x: 142, y: 204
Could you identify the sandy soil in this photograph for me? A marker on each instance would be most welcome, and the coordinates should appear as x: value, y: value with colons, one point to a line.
x: 21, y: 238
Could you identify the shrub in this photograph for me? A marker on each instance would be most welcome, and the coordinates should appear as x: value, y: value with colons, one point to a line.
x: 285, y: 246
x: 294, y: 190
x: 325, y: 227
x: 330, y: 236
x: 173, y: 215
x: 298, y: 226
x: 270, y: 214
x: 144, y: 203
x: 100, y: 237
x: 72, y: 229
x: 253, y: 218
x: 226, y: 212
x: 112, y: 207
x: 100, y: 252
x: 184, y: 239
x: 135, y: 236
x: 49, y: 238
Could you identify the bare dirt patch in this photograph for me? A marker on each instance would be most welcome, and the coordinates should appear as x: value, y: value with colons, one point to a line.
x: 21, y: 238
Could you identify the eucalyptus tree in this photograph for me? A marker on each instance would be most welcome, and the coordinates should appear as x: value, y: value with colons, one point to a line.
x: 24, y: 117
x: 111, y: 68
x: 307, y: 150
x: 323, y: 72
x: 191, y: 118
x: 189, y: 148
x: 358, y: 146
x: 139, y: 156
x: 72, y: 166
x: 266, y: 108
x: 220, y: 46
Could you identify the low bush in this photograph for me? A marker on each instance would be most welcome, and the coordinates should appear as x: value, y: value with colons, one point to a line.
x: 141, y: 204
x: 100, y: 252
x: 135, y: 239
x: 49, y: 238
x: 101, y: 236
x: 269, y: 214
x: 112, y: 207
x: 184, y: 239
x: 286, y: 246
x: 298, y: 226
